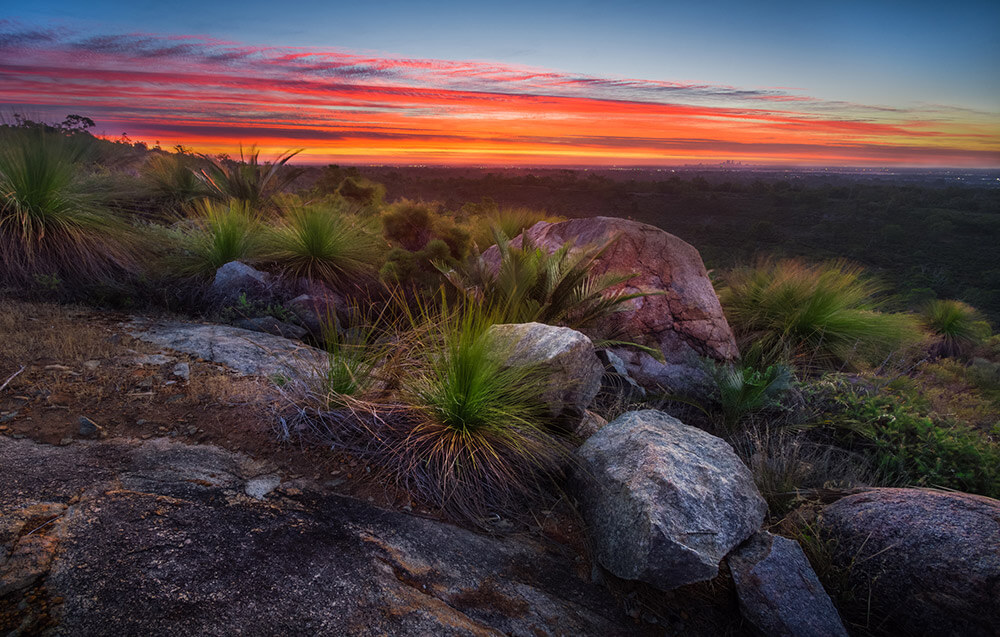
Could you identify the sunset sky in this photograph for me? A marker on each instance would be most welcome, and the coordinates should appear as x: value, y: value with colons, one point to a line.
x: 586, y: 83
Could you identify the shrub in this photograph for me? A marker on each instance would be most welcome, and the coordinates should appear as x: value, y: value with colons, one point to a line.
x: 50, y: 224
x: 171, y: 179
x: 911, y: 448
x: 363, y: 192
x: 221, y: 232
x: 323, y: 244
x: 956, y: 326
x: 424, y: 238
x: 248, y: 181
x: 532, y: 284
x: 509, y: 222
x: 814, y: 316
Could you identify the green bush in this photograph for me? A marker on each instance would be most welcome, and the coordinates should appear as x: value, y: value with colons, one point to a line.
x: 323, y: 244
x: 254, y: 184
x: 533, y: 284
x: 956, y: 326
x: 814, y: 316
x: 367, y: 194
x: 910, y: 448
x: 172, y: 180
x: 220, y: 233
x: 51, y: 223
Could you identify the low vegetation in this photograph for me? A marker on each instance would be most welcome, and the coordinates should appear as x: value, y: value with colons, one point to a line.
x: 839, y: 385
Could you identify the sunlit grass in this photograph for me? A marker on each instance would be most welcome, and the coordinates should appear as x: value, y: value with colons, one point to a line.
x: 956, y: 326
x: 51, y: 223
x: 221, y: 233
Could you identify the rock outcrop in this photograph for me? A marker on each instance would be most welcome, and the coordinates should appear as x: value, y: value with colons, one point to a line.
x: 571, y: 368
x: 159, y: 538
x: 664, y: 502
x: 244, y: 351
x: 779, y: 591
x: 683, y: 320
x: 929, y: 560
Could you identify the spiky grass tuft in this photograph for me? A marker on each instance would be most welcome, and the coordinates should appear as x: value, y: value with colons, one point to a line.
x: 323, y: 244
x: 249, y: 181
x: 50, y: 224
x: 814, y: 316
x: 221, y: 233
x: 956, y: 326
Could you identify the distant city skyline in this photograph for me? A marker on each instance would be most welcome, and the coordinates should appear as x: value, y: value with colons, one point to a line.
x: 639, y: 83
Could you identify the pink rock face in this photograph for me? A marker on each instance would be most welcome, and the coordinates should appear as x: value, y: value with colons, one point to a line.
x: 684, y: 322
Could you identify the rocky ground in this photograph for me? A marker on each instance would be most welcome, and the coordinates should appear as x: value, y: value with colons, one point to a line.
x: 144, y: 490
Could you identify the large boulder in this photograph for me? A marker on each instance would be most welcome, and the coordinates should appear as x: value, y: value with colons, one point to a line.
x: 664, y: 502
x: 684, y: 320
x: 571, y: 368
x: 779, y: 591
x: 928, y: 561
x: 162, y: 538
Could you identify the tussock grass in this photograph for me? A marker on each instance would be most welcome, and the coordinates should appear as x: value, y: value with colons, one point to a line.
x: 814, y: 316
x: 222, y: 232
x: 172, y: 180
x: 956, y: 326
x: 51, y: 223
x: 323, y: 244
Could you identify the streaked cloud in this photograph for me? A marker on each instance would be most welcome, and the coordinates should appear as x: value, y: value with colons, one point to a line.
x: 355, y: 106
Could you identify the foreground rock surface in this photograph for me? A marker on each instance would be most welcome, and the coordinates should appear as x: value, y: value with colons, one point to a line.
x: 572, y: 370
x: 245, y: 351
x: 685, y: 322
x: 160, y: 538
x: 779, y: 591
x: 664, y: 502
x: 930, y: 559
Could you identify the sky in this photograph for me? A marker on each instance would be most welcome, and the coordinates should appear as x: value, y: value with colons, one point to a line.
x: 876, y: 83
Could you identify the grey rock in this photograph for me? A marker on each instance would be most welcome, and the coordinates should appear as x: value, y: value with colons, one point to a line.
x: 929, y: 561
x: 779, y: 591
x: 572, y: 369
x: 589, y: 425
x: 247, y: 352
x: 617, y: 377
x: 88, y: 427
x: 164, y: 541
x: 684, y: 320
x: 318, y: 309
x: 182, y: 371
x: 234, y: 279
x: 664, y: 502
x: 258, y: 488
x: 91, y: 365
x: 271, y: 325
x: 156, y: 360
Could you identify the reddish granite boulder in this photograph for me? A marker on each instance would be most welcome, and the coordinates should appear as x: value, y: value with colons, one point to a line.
x: 684, y: 323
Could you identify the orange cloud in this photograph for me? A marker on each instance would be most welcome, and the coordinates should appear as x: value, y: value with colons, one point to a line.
x: 342, y: 106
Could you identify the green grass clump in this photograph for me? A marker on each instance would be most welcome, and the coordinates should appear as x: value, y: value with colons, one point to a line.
x: 532, y: 284
x: 323, y: 244
x: 478, y: 445
x: 907, y: 447
x: 171, y: 179
x: 509, y: 222
x: 51, y: 224
x: 814, y: 316
x: 742, y: 389
x: 957, y: 327
x: 249, y: 181
x: 221, y: 233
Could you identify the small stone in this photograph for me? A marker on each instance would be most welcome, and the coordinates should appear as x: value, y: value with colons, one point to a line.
x: 182, y: 371
x: 91, y: 365
x: 141, y: 421
x: 88, y: 427
x: 65, y: 441
x: 259, y: 487
x: 8, y: 416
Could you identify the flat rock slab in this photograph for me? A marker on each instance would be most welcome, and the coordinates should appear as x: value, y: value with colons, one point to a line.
x: 160, y: 538
x: 245, y: 351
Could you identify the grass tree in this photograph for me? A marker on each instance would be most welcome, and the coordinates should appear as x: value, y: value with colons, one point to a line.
x: 250, y: 181
x: 956, y: 326
x: 51, y: 223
